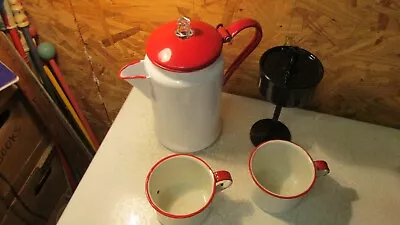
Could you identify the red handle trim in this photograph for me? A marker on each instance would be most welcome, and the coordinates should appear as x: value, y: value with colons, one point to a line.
x: 230, y: 32
x: 321, y: 167
x: 223, y: 179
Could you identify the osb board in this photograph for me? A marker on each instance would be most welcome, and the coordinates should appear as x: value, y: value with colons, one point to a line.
x: 358, y: 42
x: 56, y: 23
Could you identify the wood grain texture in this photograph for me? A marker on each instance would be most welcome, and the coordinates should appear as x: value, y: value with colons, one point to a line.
x: 360, y: 54
x: 56, y: 23
x: 357, y: 41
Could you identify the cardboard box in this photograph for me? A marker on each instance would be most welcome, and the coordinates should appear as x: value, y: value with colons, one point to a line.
x: 40, y: 194
x: 22, y: 142
x: 7, y: 93
x: 7, y: 200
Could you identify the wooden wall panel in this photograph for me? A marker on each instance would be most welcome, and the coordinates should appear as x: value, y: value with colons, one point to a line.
x: 357, y: 41
x: 359, y: 44
x: 56, y: 23
x: 115, y: 34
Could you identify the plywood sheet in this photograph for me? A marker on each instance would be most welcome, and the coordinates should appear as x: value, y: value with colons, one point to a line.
x: 56, y: 23
x: 358, y: 42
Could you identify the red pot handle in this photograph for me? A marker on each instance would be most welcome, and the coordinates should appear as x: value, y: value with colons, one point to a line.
x: 230, y: 32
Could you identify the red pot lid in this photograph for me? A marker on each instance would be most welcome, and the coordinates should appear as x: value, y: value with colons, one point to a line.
x: 184, y: 46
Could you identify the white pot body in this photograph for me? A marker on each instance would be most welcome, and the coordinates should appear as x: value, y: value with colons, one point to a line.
x: 186, y: 106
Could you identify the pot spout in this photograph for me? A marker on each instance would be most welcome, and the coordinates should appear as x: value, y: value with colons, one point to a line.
x: 135, y: 74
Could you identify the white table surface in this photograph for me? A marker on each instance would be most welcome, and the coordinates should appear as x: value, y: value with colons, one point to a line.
x: 363, y: 187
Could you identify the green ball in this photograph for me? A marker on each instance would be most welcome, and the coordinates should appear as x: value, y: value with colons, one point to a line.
x: 46, y: 51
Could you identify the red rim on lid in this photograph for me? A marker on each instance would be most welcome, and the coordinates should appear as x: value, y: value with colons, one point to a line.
x: 184, y: 46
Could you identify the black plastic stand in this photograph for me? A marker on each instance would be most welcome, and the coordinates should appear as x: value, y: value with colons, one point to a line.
x: 269, y: 129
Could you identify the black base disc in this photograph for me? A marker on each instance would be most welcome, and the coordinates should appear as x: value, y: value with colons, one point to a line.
x: 267, y: 129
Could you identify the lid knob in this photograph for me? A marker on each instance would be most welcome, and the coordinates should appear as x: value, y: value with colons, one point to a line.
x: 183, y: 28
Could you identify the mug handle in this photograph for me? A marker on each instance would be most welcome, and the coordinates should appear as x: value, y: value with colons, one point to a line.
x: 223, y: 180
x: 322, y: 168
x: 230, y: 32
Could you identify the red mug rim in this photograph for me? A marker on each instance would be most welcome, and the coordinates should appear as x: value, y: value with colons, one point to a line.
x: 175, y: 216
x: 270, y: 192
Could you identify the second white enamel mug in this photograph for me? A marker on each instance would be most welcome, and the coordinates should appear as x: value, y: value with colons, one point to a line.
x: 283, y: 173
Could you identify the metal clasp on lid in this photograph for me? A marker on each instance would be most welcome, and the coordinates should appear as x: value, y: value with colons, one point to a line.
x: 183, y: 29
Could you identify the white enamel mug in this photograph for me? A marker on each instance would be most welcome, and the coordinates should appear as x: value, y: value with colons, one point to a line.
x: 181, y: 187
x: 283, y: 173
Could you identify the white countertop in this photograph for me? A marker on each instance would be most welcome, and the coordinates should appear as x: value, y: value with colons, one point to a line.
x: 362, y: 188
